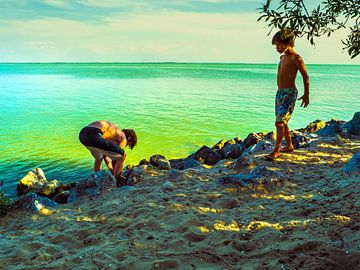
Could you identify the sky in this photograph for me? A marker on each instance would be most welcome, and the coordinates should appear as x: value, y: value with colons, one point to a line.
x: 147, y: 31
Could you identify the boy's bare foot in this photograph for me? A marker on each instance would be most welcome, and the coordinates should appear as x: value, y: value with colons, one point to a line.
x: 272, y: 156
x: 286, y: 149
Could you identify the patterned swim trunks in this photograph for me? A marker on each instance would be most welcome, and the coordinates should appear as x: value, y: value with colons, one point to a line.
x: 285, y: 103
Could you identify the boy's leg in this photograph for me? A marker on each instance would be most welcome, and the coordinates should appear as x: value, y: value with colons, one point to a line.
x: 118, y: 170
x: 289, y: 146
x: 109, y: 163
x: 97, y: 165
x: 279, y: 136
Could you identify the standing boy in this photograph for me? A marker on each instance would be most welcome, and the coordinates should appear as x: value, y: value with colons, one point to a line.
x: 290, y: 64
x: 106, y: 142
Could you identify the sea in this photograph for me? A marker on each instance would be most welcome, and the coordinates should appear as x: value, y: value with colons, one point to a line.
x: 175, y: 108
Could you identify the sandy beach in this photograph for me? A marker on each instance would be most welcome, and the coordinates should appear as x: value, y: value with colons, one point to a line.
x: 187, y: 220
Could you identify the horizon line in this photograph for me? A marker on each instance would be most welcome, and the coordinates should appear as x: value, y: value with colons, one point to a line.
x: 162, y: 62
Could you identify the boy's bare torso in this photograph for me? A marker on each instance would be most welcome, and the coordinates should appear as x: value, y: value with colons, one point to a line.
x: 287, y: 70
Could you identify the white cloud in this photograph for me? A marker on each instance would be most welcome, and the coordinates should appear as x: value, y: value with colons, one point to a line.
x: 164, y: 36
x: 57, y: 3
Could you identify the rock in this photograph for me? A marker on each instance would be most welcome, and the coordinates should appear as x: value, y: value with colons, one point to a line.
x: 32, y: 201
x: 354, y: 127
x: 271, y: 136
x: 49, y: 188
x: 259, y: 175
x: 244, y: 160
x: 144, y: 162
x: 206, y: 155
x: 313, y: 126
x: 168, y: 186
x: 95, y: 184
x: 259, y: 147
x: 251, y: 139
x: 177, y: 164
x: 231, y: 151
x: 332, y: 127
x: 135, y: 175
x: 34, y: 181
x: 219, y: 145
x: 160, y: 162
x: 191, y: 163
x: 354, y: 164
x: 299, y: 140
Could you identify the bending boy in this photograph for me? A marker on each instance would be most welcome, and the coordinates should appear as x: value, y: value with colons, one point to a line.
x: 106, y: 141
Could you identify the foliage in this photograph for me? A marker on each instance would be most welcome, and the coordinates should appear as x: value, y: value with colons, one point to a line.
x: 327, y: 17
x: 5, y: 204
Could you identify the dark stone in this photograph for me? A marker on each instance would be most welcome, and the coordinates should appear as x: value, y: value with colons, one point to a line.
x: 244, y: 161
x: 206, y: 155
x: 32, y: 201
x: 144, y: 162
x: 260, y: 146
x: 332, y: 127
x: 160, y: 162
x: 219, y: 145
x: 177, y: 163
x: 259, y: 175
x: 313, y: 126
x: 191, y: 163
x: 355, y: 124
x: 231, y: 151
x: 354, y: 164
x: 299, y: 140
x: 271, y: 136
x: 95, y: 184
x: 251, y: 139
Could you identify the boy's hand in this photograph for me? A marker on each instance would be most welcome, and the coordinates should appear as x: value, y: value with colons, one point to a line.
x: 305, y: 101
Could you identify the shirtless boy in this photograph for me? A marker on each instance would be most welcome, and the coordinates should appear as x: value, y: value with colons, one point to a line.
x: 290, y: 64
x: 106, y: 142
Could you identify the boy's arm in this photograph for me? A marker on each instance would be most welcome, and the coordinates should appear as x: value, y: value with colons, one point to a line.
x: 302, y: 68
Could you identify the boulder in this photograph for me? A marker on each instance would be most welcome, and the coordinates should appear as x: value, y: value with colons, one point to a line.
x: 144, y: 162
x: 231, y: 151
x: 136, y: 174
x: 191, y: 163
x: 259, y: 147
x: 160, y: 162
x: 299, y: 139
x: 354, y: 127
x: 251, y: 139
x: 95, y: 184
x: 34, y: 181
x: 332, y: 127
x: 354, y: 164
x: 177, y: 163
x: 271, y: 136
x: 206, y: 155
x: 313, y: 126
x: 32, y: 201
x: 244, y: 160
x: 259, y: 175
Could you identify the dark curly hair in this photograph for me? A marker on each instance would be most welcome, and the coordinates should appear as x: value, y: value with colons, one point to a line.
x: 285, y: 36
x: 130, y: 137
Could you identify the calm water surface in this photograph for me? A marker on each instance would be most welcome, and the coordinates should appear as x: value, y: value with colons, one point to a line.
x: 174, y: 108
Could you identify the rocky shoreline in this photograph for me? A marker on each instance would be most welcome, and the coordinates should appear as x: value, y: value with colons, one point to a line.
x: 221, y: 207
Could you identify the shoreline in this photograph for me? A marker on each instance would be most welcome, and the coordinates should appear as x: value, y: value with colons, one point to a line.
x: 298, y: 212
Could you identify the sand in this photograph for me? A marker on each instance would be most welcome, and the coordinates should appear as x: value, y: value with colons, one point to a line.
x: 187, y: 220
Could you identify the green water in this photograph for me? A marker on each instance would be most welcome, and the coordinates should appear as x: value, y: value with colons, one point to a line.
x: 174, y: 108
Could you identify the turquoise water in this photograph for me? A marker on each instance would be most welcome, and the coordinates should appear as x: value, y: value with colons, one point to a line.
x: 174, y: 107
